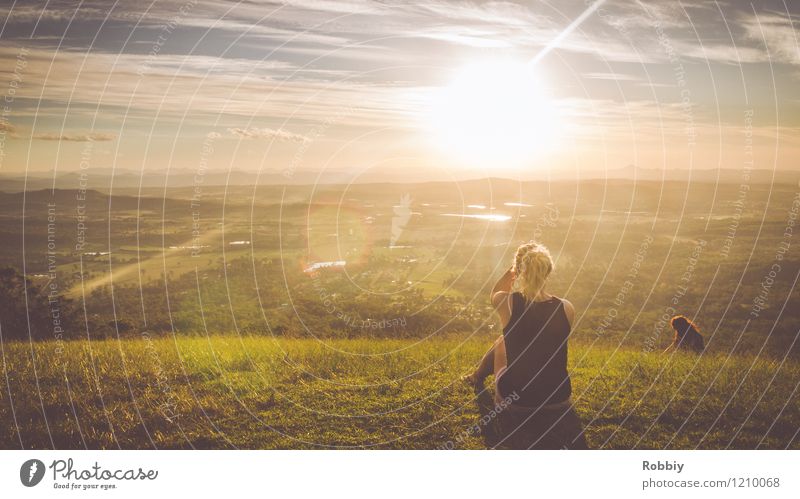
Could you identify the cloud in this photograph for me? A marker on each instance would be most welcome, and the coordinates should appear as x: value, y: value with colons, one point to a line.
x: 75, y: 137
x: 6, y: 127
x: 724, y: 54
x: 267, y: 133
x: 777, y: 34
x: 176, y: 88
x: 611, y: 76
x: 470, y: 39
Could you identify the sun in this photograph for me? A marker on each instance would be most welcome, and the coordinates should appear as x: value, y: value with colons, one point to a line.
x: 494, y: 113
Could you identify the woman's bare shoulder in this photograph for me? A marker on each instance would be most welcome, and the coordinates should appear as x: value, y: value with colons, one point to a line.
x: 569, y: 309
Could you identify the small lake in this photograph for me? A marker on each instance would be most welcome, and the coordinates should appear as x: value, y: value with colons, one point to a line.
x: 325, y: 265
x: 493, y: 217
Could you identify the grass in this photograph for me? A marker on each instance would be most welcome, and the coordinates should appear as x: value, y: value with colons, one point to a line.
x: 252, y: 392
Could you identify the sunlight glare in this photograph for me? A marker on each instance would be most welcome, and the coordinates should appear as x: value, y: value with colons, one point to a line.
x: 494, y: 114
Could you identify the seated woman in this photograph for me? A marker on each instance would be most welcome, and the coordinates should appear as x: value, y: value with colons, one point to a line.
x: 687, y: 336
x: 529, y: 360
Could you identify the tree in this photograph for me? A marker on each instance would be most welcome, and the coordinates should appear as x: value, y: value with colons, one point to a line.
x: 26, y: 313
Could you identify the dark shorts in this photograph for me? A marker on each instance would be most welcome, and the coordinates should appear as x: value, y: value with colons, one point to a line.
x: 548, y: 427
x: 553, y: 426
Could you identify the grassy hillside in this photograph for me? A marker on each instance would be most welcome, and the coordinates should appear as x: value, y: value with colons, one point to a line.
x: 224, y: 392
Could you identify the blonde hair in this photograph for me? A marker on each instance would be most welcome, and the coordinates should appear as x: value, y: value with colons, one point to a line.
x: 532, y: 266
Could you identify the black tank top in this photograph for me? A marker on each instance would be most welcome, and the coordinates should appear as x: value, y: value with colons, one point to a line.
x: 536, y: 348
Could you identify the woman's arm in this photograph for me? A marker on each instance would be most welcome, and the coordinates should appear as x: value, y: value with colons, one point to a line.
x: 569, y: 310
x: 500, y: 296
x: 503, y: 284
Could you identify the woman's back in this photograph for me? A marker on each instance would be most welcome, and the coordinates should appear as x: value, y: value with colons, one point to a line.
x: 536, y: 350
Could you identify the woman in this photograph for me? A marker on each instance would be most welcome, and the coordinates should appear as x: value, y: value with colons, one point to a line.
x: 529, y: 360
x: 687, y: 336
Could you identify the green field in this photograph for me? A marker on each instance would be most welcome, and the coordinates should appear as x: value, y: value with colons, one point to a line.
x: 368, y: 354
x: 256, y: 392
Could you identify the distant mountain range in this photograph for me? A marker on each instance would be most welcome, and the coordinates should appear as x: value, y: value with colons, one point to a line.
x: 105, y: 178
x: 724, y: 175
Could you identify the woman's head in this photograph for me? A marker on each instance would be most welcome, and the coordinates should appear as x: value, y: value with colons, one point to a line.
x: 532, y: 267
x: 682, y: 325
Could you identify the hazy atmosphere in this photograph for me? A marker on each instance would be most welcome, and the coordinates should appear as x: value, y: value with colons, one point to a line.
x: 365, y: 88
x: 358, y: 224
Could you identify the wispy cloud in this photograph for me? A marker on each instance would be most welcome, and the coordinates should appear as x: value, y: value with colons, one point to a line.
x: 7, y: 128
x: 469, y: 38
x: 720, y: 53
x: 777, y: 33
x: 611, y: 76
x: 76, y: 137
x: 267, y: 133
x: 12, y: 131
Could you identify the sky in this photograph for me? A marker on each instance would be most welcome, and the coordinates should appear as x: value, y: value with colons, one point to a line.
x: 352, y: 85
